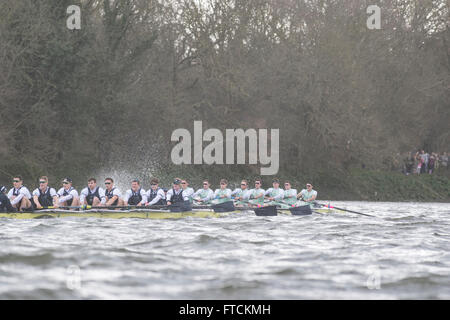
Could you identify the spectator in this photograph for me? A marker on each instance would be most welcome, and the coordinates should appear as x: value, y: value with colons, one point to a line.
x: 408, y: 163
x: 424, y: 161
x: 419, y: 161
x: 436, y: 160
x: 444, y: 161
x: 431, y: 163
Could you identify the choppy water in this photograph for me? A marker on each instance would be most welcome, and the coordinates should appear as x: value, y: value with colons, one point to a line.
x: 404, y: 253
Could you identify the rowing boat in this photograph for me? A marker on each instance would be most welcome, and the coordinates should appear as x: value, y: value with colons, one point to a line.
x: 115, y: 214
x: 200, y: 212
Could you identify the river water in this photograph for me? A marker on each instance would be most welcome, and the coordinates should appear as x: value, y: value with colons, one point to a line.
x: 402, y: 253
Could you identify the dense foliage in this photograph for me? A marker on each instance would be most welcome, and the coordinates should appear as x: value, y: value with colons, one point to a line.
x: 105, y: 99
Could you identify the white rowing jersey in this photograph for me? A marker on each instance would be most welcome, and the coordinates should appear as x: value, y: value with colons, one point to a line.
x: 170, y: 194
x: 114, y: 192
x: 160, y: 195
x: 277, y: 194
x: 85, y: 192
x: 142, y: 193
x: 52, y: 192
x: 66, y: 195
x: 19, y: 194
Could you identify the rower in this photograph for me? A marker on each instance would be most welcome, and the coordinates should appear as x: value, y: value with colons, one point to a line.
x: 5, y: 204
x: 155, y: 195
x: 112, y: 194
x: 204, y: 195
x: 20, y: 196
x: 274, y: 194
x: 92, y: 195
x: 175, y: 195
x: 308, y: 195
x: 187, y: 191
x: 136, y: 195
x: 241, y: 195
x: 257, y: 194
x: 44, y: 196
x: 68, y: 196
x: 223, y: 194
x: 290, y: 195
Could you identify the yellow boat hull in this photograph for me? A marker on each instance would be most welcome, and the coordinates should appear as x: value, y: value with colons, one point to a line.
x: 111, y: 214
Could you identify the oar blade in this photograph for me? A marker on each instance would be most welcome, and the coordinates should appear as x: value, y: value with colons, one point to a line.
x: 223, y: 207
x: 301, y: 210
x: 266, y: 211
x: 181, y: 207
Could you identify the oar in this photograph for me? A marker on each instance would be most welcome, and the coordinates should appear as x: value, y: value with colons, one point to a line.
x: 363, y: 214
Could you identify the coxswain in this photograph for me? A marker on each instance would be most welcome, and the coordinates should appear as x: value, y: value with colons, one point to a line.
x: 44, y: 196
x: 308, y: 195
x: 257, y: 194
x: 289, y: 195
x: 92, y: 195
x: 241, y: 195
x: 204, y: 195
x: 20, y: 196
x: 136, y: 195
x: 274, y: 194
x: 175, y: 195
x: 68, y: 196
x: 223, y: 194
x: 112, y: 194
x: 187, y: 191
x: 5, y: 204
x: 155, y: 195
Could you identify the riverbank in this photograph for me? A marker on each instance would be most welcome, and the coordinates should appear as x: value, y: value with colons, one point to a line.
x: 372, y: 185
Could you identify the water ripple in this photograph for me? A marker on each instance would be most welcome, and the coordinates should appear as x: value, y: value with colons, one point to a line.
x: 402, y: 253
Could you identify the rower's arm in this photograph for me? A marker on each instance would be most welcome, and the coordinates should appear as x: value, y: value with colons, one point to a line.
x: 83, y: 195
x: 17, y: 199
x: 259, y: 195
x: 102, y: 195
x: 155, y: 200
x: 36, y: 201
x: 279, y: 196
x: 111, y: 201
x: 65, y: 198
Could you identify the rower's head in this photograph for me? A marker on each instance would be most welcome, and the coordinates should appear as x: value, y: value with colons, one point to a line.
x: 258, y: 183
x: 92, y: 183
x: 177, y: 184
x: 43, y: 183
x: 154, y: 182
x: 135, y: 185
x: 109, y: 184
x: 244, y: 184
x: 287, y: 185
x: 223, y: 183
x: 17, y: 181
x: 184, y: 183
x: 67, y: 183
x: 309, y: 186
x: 3, y: 189
x: 206, y: 184
x: 276, y: 183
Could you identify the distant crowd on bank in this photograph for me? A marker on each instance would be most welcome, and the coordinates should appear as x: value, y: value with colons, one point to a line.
x: 422, y: 162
